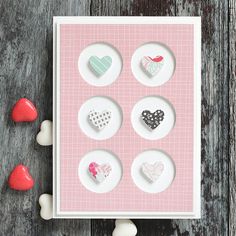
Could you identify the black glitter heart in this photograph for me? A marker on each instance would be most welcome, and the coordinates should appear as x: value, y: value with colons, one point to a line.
x: 152, y: 120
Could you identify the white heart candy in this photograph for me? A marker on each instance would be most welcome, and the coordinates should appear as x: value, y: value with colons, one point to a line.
x: 44, y: 137
x: 124, y: 228
x: 45, y: 202
x: 152, y: 171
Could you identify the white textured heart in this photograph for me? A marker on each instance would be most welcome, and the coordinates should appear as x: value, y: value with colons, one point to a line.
x: 152, y: 171
x: 45, y: 202
x: 152, y: 66
x: 124, y: 228
x: 99, y: 172
x: 99, y: 119
x: 44, y: 137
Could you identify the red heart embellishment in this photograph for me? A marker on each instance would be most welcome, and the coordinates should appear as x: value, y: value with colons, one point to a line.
x: 24, y: 110
x: 20, y: 178
x: 157, y: 58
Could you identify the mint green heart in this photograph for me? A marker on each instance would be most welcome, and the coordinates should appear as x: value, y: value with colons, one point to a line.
x: 100, y: 65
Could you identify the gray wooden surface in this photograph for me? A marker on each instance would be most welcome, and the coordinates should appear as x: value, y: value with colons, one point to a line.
x: 26, y: 71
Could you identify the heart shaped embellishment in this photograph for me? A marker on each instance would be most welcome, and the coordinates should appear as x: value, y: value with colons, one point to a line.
x: 44, y: 137
x: 152, y: 171
x: 124, y: 227
x: 20, y: 178
x: 99, y: 66
x: 152, y: 66
x: 152, y: 120
x: 45, y: 202
x: 24, y: 110
x: 99, y: 119
x: 99, y: 172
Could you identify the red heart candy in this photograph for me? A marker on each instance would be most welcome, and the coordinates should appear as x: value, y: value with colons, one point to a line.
x: 24, y: 110
x: 20, y: 178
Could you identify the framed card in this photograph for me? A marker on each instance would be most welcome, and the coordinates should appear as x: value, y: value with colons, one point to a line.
x: 127, y: 117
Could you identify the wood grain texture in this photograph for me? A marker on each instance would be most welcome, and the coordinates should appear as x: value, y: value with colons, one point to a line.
x: 232, y: 120
x: 215, y: 114
x: 26, y: 71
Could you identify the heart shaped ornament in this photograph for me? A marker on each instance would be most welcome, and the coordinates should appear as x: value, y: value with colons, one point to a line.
x: 152, y: 171
x: 99, y: 66
x: 23, y: 111
x: 99, y: 172
x: 152, y: 66
x: 20, y: 178
x: 44, y: 137
x: 99, y: 119
x: 124, y: 228
x: 152, y: 120
x: 45, y: 202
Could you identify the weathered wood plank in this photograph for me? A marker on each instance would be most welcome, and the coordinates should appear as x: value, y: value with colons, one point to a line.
x: 105, y: 8
x: 153, y: 8
x: 232, y: 104
x: 26, y: 71
x: 215, y: 113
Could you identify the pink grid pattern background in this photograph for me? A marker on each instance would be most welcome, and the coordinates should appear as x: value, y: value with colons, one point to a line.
x: 126, y: 144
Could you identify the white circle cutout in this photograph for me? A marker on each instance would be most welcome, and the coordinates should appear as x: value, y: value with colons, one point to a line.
x: 153, y: 103
x: 165, y: 179
x: 100, y: 50
x: 100, y: 104
x: 100, y: 157
x: 152, y: 50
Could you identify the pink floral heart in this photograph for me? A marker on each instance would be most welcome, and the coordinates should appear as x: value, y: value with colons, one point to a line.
x: 99, y: 172
x: 152, y: 171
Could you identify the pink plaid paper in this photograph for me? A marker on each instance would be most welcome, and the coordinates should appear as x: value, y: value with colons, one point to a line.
x: 126, y: 144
